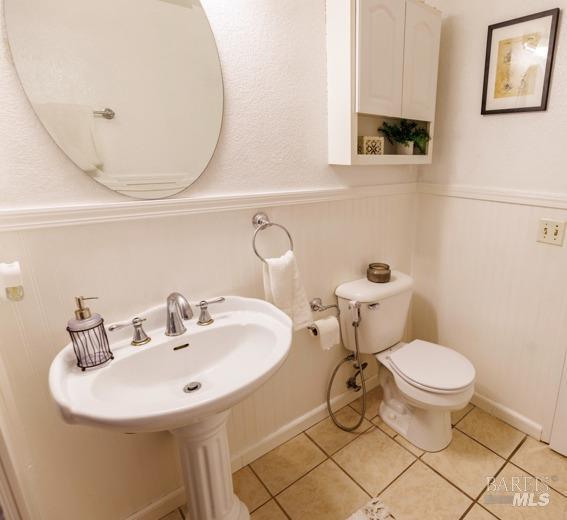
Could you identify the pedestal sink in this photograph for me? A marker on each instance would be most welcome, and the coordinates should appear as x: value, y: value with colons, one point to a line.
x: 185, y: 384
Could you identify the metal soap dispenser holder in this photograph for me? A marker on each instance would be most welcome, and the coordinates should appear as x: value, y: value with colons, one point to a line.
x: 88, y: 335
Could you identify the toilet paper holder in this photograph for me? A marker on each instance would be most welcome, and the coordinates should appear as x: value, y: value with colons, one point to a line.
x: 11, y: 282
x: 316, y: 305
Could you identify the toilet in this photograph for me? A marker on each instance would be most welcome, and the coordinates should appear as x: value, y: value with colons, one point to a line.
x: 422, y: 382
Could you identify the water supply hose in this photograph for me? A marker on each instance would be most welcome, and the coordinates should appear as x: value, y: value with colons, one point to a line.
x: 355, y: 307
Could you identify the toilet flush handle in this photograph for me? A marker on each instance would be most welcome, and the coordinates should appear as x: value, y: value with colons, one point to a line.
x: 373, y: 306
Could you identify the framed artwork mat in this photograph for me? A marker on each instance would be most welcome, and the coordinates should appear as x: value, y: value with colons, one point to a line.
x: 519, y: 60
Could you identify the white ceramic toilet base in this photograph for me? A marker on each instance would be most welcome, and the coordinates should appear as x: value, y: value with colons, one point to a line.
x: 426, y: 428
x: 205, y: 459
x: 429, y: 430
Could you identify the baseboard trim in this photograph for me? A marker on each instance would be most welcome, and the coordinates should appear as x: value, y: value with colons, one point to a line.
x: 48, y: 217
x: 295, y: 427
x: 504, y: 196
x: 508, y: 415
x: 161, y: 507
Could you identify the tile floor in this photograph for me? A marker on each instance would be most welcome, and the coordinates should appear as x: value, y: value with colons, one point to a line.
x: 325, y: 473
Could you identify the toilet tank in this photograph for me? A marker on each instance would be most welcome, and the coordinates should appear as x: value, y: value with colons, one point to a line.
x: 383, y: 312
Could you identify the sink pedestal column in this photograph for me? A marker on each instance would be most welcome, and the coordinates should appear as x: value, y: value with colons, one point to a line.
x: 205, y: 459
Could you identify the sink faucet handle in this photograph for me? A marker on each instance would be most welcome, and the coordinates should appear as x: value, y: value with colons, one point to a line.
x: 140, y: 337
x: 205, y: 316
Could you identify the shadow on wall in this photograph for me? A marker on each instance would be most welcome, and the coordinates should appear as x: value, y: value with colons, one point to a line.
x: 424, y: 319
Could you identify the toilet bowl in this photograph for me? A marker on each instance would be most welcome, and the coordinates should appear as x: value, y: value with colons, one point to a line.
x: 422, y: 382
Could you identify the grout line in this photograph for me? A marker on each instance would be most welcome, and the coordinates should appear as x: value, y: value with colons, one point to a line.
x: 397, y: 478
x: 447, y: 480
x: 282, y: 508
x: 327, y: 457
x: 261, y: 505
x: 356, y: 436
x: 528, y: 471
x: 373, y: 426
x: 303, y: 475
x: 487, y: 511
x: 261, y: 482
x: 498, y: 471
x: 350, y: 477
x: 473, y: 407
x: 506, y: 462
x: 407, y: 449
x: 490, y: 449
x: 467, y: 511
x: 272, y: 497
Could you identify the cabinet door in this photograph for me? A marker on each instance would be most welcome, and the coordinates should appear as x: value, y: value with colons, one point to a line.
x: 380, y: 56
x: 421, y: 61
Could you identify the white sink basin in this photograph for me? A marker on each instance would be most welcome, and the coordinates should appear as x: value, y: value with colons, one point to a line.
x: 142, y: 389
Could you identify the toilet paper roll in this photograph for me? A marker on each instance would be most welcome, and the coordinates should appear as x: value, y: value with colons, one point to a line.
x: 328, y: 331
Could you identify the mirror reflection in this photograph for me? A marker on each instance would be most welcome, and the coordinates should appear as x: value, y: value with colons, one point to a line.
x: 131, y: 90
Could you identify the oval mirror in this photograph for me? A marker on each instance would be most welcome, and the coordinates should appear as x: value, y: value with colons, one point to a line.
x: 131, y: 90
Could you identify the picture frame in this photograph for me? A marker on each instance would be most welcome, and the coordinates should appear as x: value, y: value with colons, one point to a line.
x: 518, y: 63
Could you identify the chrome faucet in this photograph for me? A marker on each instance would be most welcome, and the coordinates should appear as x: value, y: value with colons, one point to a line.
x: 178, y: 309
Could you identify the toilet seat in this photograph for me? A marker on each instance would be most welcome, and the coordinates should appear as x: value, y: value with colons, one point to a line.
x: 431, y: 367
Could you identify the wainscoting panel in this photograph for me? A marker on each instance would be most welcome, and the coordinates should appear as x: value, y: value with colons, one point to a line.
x: 487, y: 288
x: 132, y: 265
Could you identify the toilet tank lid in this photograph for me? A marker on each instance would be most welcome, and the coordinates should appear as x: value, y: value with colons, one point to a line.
x: 365, y: 291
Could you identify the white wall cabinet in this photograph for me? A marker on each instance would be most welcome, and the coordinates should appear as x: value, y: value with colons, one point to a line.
x: 380, y: 56
x: 421, y: 61
x: 382, y: 63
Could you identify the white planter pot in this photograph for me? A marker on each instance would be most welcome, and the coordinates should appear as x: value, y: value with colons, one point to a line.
x: 404, y: 149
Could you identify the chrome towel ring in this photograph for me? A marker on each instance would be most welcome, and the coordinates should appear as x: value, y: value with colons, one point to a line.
x: 261, y: 221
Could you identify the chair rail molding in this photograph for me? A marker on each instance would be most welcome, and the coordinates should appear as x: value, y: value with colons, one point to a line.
x: 503, y: 195
x: 46, y: 217
x: 18, y: 219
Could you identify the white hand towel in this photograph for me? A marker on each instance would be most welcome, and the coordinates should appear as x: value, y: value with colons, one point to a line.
x: 73, y: 129
x: 283, y: 288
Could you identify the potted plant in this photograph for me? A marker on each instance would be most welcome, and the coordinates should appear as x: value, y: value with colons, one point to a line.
x: 405, y: 135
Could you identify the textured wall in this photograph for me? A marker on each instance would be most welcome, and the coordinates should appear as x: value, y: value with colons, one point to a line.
x: 273, y: 138
x: 521, y: 151
x: 484, y: 285
x: 274, y: 132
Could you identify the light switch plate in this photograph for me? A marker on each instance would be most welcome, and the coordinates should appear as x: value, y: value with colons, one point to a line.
x: 551, y: 232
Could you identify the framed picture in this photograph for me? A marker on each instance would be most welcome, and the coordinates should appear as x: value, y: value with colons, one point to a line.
x: 519, y: 58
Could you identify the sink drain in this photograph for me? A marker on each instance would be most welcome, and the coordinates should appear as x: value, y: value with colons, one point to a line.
x: 191, y: 387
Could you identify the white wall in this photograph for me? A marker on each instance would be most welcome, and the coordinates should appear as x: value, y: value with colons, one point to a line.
x: 273, y: 139
x: 75, y: 472
x: 487, y: 289
x: 512, y: 151
x: 274, y: 130
x: 484, y: 286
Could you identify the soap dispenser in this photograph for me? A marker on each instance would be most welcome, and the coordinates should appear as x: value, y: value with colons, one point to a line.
x: 88, y: 335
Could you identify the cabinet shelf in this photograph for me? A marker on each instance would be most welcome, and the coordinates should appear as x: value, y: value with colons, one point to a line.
x: 390, y: 159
